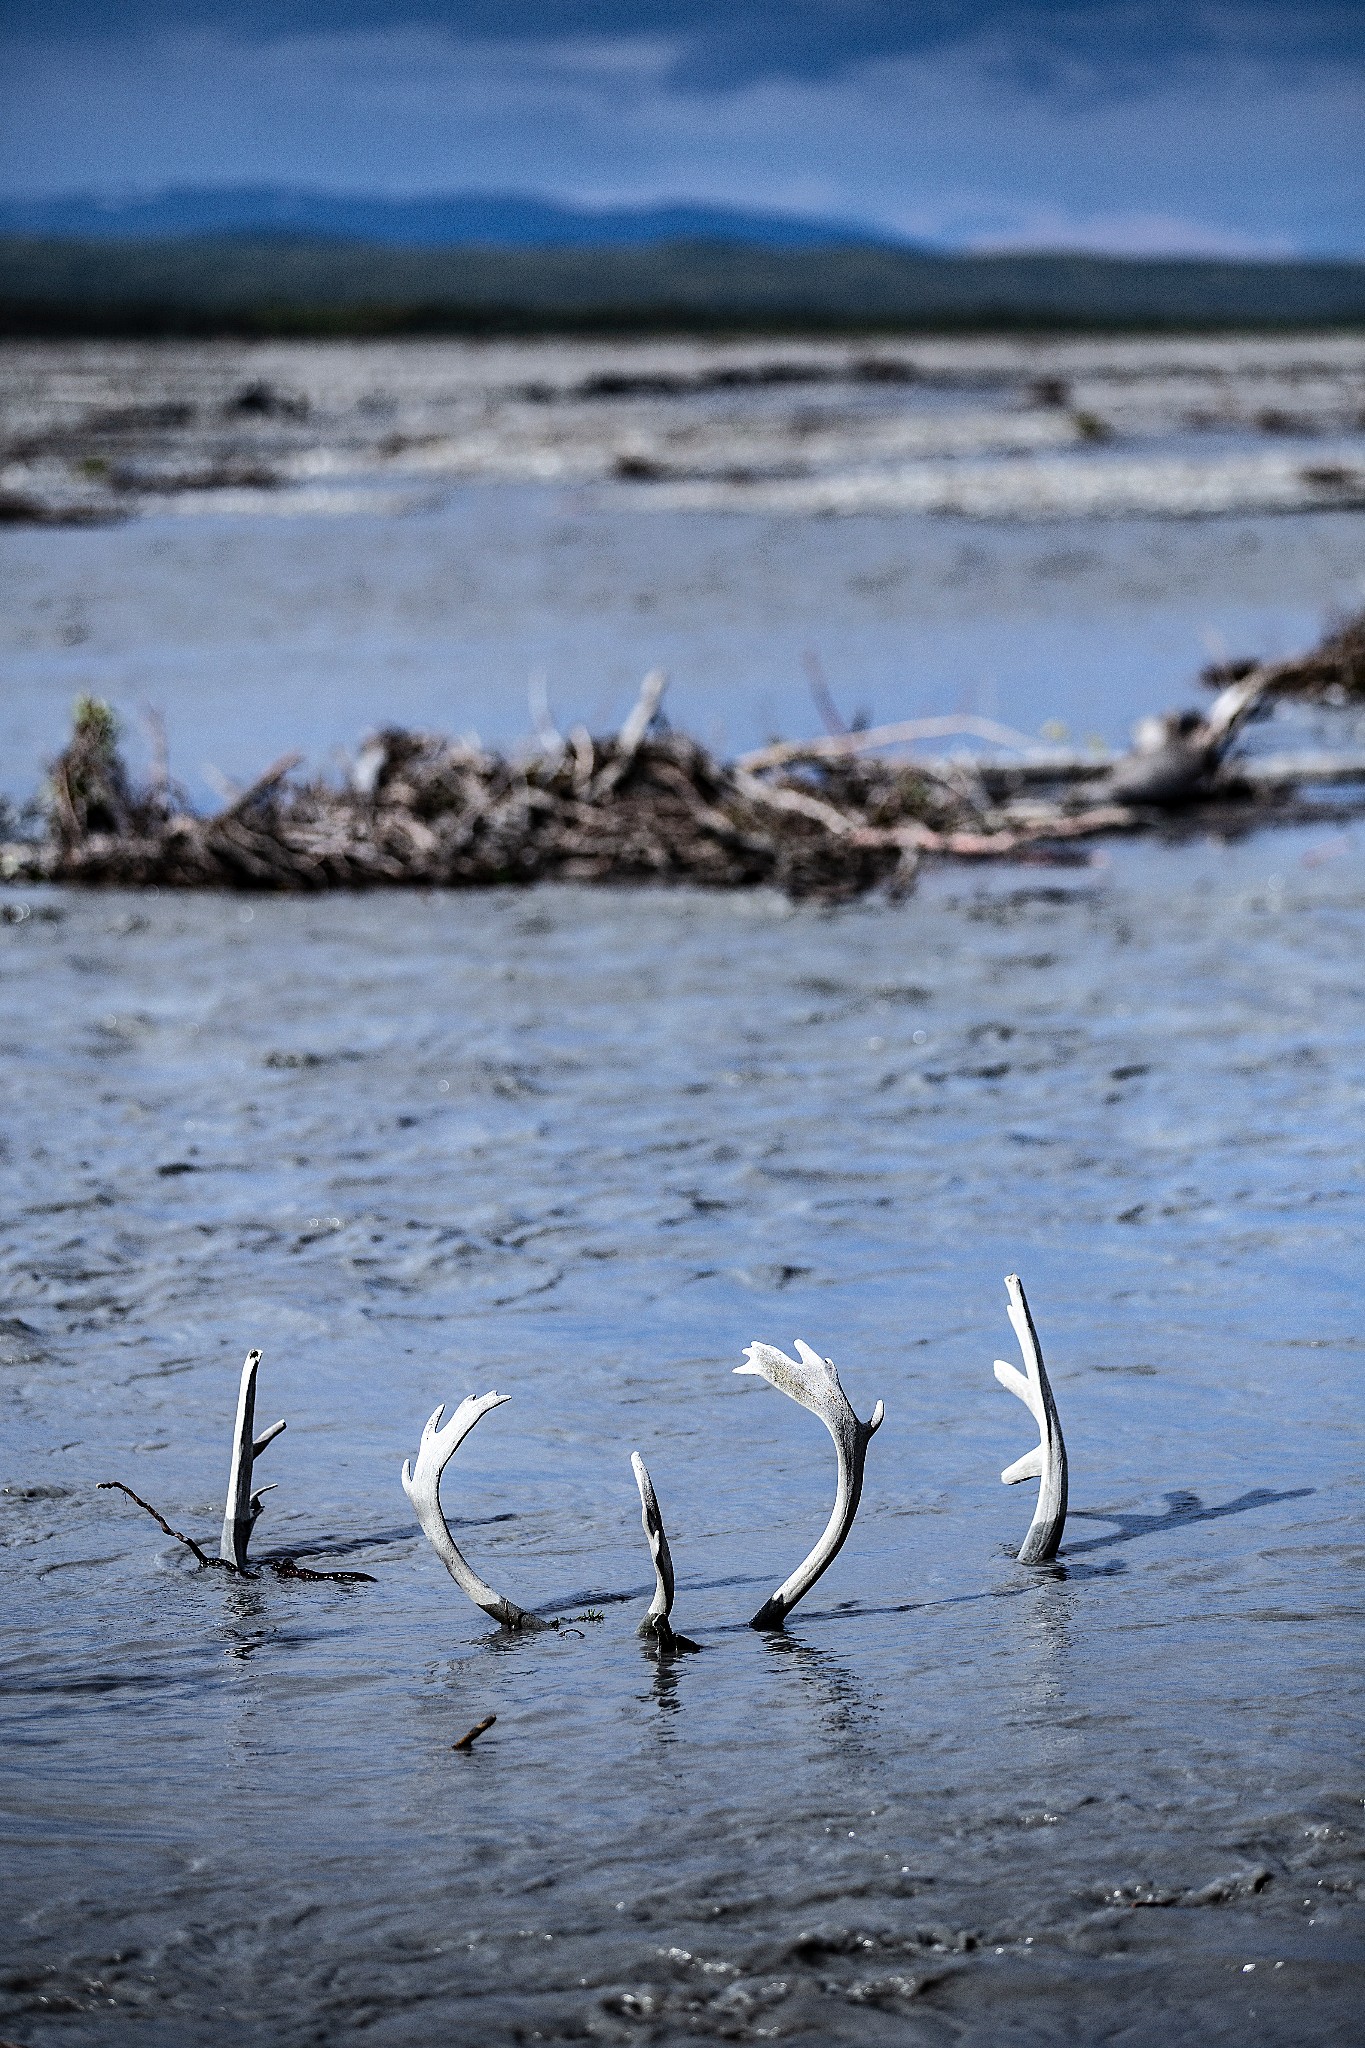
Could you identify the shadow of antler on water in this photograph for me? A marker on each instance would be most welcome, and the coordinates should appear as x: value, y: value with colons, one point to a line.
x: 1182, y: 1508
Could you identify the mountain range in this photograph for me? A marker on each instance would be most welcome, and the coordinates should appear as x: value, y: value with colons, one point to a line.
x: 439, y: 220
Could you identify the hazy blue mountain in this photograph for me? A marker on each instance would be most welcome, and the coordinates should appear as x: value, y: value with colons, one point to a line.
x: 507, y: 220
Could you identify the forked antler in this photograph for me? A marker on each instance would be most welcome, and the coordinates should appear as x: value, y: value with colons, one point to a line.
x: 243, y: 1505
x: 1048, y: 1460
x: 423, y: 1488
x: 814, y: 1382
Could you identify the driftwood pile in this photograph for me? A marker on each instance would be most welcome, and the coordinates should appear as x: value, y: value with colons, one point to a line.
x: 827, y: 817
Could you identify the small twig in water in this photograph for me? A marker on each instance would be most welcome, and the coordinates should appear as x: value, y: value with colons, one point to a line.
x: 283, y: 1567
x: 290, y: 1568
x: 831, y: 717
x: 219, y: 1563
x: 466, y: 1742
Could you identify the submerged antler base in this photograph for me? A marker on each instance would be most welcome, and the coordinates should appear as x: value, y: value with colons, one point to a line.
x: 1048, y: 1461
x: 422, y: 1486
x: 243, y: 1504
x: 814, y: 1382
x: 656, y: 1626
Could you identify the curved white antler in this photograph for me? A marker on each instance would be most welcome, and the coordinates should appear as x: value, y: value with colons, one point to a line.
x: 423, y: 1488
x: 656, y: 1626
x: 243, y: 1505
x: 1048, y: 1461
x: 814, y: 1382
x: 656, y: 1621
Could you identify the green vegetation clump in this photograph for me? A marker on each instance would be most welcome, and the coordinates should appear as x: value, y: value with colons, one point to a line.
x: 89, y: 792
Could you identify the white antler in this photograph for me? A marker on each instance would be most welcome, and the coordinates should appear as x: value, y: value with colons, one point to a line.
x: 423, y: 1488
x: 814, y: 1382
x: 243, y: 1505
x: 661, y: 1606
x: 1048, y: 1461
x: 656, y: 1626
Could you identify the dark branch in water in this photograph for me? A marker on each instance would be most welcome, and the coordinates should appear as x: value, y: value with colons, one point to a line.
x: 206, y: 1562
x: 290, y: 1568
x: 827, y: 817
x: 466, y: 1742
x: 283, y: 1567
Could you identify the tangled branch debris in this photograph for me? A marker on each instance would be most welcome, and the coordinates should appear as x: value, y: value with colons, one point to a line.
x: 828, y: 817
x: 1332, y: 673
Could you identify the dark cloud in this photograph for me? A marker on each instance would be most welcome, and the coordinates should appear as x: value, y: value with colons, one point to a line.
x: 1042, y: 43
x: 1113, y: 123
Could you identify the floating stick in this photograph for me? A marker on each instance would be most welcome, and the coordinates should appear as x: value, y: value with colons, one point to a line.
x: 467, y: 1741
x: 1048, y: 1461
x: 814, y: 1382
x: 422, y: 1486
x: 243, y: 1505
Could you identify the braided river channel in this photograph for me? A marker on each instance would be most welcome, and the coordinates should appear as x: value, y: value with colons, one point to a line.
x: 583, y: 1146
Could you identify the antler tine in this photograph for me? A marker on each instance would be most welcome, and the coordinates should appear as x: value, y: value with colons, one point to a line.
x: 656, y: 1626
x: 243, y: 1504
x: 422, y: 1485
x: 1047, y: 1461
x: 814, y: 1382
x: 661, y: 1606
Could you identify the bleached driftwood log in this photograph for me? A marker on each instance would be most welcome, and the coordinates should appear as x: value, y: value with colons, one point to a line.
x: 1047, y: 1462
x: 243, y: 1504
x: 814, y: 1382
x: 422, y: 1486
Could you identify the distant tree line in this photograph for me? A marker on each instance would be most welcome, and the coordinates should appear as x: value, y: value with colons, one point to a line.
x: 280, y: 285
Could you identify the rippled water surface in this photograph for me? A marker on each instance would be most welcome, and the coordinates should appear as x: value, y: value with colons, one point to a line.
x: 311, y: 540
x: 583, y: 1147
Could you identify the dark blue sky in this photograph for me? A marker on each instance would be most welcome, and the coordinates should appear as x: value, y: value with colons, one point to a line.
x: 1108, y: 123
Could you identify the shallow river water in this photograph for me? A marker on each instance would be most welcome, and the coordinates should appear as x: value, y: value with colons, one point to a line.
x: 583, y: 1147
